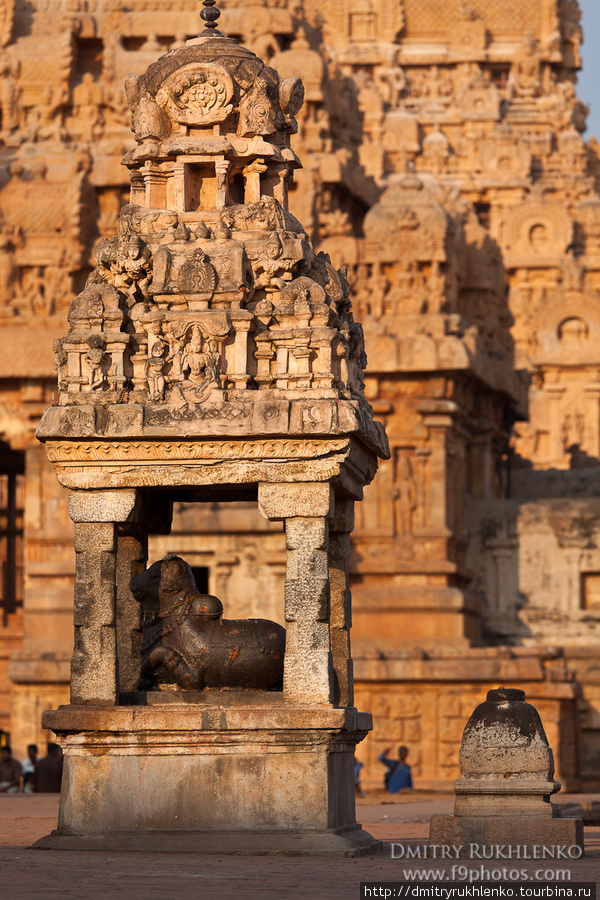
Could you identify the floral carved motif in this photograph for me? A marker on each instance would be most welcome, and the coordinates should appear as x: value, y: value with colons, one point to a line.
x: 198, y: 94
x: 65, y: 452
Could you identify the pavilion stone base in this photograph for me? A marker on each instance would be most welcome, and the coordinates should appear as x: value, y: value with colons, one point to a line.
x: 213, y: 779
x: 508, y: 837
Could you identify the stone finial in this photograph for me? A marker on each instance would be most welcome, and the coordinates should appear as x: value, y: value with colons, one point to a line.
x: 209, y: 16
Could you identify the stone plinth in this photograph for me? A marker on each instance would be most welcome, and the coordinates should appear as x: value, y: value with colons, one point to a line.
x: 507, y: 831
x: 237, y: 775
x: 507, y: 780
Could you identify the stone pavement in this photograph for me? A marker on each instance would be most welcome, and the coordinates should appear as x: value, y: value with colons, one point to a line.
x: 32, y: 874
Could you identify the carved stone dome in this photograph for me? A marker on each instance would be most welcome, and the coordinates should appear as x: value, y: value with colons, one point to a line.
x: 212, y: 80
x: 408, y: 216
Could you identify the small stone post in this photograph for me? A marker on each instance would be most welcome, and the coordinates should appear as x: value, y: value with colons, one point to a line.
x: 503, y: 796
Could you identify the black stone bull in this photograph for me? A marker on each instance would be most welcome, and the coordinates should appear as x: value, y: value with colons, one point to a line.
x: 187, y: 642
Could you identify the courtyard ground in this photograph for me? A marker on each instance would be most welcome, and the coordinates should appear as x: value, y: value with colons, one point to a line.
x: 404, y: 820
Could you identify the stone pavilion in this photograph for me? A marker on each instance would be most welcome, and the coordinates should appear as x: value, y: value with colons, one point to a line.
x: 211, y: 356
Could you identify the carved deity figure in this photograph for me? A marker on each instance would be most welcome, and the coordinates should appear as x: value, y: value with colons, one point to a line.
x: 199, y: 365
x: 271, y: 269
x: 360, y: 290
x: 33, y: 292
x: 155, y: 371
x: 9, y: 97
x: 378, y: 288
x: 57, y: 286
x: 525, y: 74
x: 405, y: 497
x: 391, y: 81
x: 44, y: 121
x: 88, y: 98
x: 9, y: 272
x: 186, y: 642
x: 96, y: 359
x: 134, y: 270
x: 174, y: 354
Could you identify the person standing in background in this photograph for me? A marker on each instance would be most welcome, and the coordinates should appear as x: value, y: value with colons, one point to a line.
x: 28, y: 768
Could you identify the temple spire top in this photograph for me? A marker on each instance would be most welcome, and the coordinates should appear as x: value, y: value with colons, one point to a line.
x: 209, y: 16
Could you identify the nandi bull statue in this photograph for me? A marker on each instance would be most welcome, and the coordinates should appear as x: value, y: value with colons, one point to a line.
x: 187, y: 642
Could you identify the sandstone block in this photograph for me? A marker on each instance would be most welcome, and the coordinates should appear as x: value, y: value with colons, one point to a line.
x: 101, y: 506
x: 288, y: 501
x: 472, y: 835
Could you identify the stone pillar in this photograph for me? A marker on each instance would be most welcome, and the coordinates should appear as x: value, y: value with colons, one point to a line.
x: 505, y: 569
x: 264, y: 354
x: 240, y: 376
x: 137, y: 194
x: 340, y: 600
x: 132, y: 556
x: 252, y: 173
x: 177, y: 200
x: 438, y: 485
x: 555, y: 395
x: 115, y: 347
x: 74, y: 377
x: 305, y: 510
x: 572, y: 604
x: 422, y: 457
x: 94, y: 661
x: 221, y: 173
x: 155, y: 182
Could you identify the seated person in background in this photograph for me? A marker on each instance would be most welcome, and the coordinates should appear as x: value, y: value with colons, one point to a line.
x: 28, y: 768
x: 48, y: 771
x: 398, y: 775
x: 10, y: 772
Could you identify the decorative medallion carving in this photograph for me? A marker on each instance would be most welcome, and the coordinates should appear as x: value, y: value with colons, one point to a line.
x: 197, y: 94
x: 197, y: 275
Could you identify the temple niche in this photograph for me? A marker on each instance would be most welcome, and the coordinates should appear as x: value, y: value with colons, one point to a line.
x: 458, y: 128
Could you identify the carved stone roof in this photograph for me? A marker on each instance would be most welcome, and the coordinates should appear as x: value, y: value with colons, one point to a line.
x: 211, y: 297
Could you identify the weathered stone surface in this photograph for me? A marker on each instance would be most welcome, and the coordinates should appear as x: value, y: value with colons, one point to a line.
x: 497, y: 834
x: 492, y: 125
x: 507, y: 779
x: 291, y: 501
x: 201, y: 758
x: 108, y: 506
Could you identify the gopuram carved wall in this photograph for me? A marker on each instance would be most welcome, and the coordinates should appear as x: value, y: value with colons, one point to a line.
x: 444, y: 166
